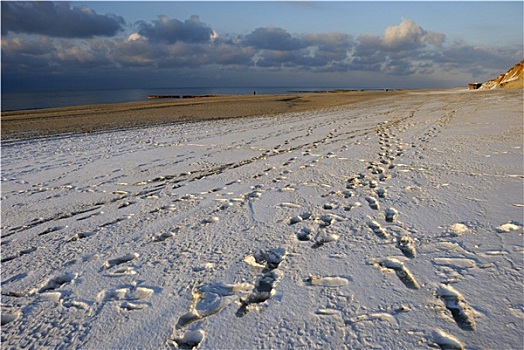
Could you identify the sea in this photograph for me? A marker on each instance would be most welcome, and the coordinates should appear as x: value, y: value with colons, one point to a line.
x: 14, y: 101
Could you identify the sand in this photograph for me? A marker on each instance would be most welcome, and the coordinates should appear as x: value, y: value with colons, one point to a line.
x: 90, y: 118
x: 390, y: 223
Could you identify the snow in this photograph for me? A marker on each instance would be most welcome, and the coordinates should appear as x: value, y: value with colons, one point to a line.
x: 382, y: 224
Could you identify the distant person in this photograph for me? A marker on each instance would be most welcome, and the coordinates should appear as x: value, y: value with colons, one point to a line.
x: 254, y: 93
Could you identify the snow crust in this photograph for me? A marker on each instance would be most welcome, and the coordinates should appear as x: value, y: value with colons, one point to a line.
x: 393, y: 224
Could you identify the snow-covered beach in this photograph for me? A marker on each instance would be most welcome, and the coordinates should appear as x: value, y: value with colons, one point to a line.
x: 392, y: 223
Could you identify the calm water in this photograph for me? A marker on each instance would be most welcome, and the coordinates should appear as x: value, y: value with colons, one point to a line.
x: 12, y: 101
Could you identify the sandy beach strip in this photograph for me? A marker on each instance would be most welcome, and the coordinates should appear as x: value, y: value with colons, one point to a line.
x: 94, y: 118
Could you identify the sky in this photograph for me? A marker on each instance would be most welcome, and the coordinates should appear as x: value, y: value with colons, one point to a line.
x: 341, y: 44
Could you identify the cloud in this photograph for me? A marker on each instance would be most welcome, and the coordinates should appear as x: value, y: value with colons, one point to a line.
x: 18, y: 46
x: 169, y: 30
x: 171, y: 49
x: 276, y: 48
x: 136, y: 53
x: 77, y: 55
x: 135, y: 37
x: 409, y: 35
x: 328, y: 47
x: 402, y: 50
x: 57, y: 19
x: 226, y: 53
x: 476, y: 60
x: 272, y: 38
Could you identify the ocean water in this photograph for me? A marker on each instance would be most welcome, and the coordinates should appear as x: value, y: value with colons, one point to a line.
x: 12, y: 101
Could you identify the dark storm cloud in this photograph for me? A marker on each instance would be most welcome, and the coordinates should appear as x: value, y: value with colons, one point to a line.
x: 327, y: 48
x: 57, y: 20
x: 272, y: 38
x: 477, y: 61
x: 169, y: 30
x: 461, y: 54
x: 276, y: 48
x: 227, y: 53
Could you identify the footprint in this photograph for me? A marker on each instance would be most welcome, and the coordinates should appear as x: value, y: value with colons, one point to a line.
x: 82, y: 235
x: 446, y: 341
x: 132, y: 297
x: 378, y: 229
x: 256, y: 194
x: 131, y: 293
x: 51, y: 229
x: 401, y: 271
x: 8, y: 317
x: 163, y: 236
x: 113, y: 222
x: 165, y: 208
x: 455, y: 263
x: 324, y: 237
x: 56, y: 282
x: 264, y: 290
x: 273, y: 258
x: 508, y: 227
x: 124, y: 271
x: 391, y: 214
x: 134, y: 306
x: 269, y: 259
x: 125, y: 204
x: 381, y: 192
x: 327, y: 281
x: 211, y: 220
x: 373, y: 204
x: 9, y: 258
x: 299, y: 218
x: 374, y: 317
x: 22, y: 253
x: 353, y: 183
x: 352, y: 205
x: 407, y: 247
x: 375, y: 169
x: 457, y: 229
x: 190, y: 339
x: 289, y: 205
x: 328, y: 220
x: 330, y: 206
x: 304, y: 234
x: 166, y: 235
x: 460, y: 310
x: 90, y: 216
x: 210, y: 299
x: 117, y: 261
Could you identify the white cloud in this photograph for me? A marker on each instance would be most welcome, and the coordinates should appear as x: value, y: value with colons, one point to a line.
x: 409, y: 34
x: 135, y: 37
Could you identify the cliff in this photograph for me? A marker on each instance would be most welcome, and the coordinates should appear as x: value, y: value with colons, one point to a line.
x: 512, y: 79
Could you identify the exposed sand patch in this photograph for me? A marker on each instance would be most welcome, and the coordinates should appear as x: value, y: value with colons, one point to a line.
x: 92, y: 118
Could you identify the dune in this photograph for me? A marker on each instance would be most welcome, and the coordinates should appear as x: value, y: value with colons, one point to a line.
x: 512, y: 79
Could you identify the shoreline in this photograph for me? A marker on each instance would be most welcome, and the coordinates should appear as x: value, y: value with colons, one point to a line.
x: 37, y: 123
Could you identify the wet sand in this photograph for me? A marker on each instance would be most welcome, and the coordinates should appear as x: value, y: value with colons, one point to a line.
x: 103, y: 117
